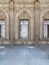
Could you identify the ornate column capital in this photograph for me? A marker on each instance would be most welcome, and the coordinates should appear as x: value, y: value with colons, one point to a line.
x: 37, y: 6
x: 11, y: 0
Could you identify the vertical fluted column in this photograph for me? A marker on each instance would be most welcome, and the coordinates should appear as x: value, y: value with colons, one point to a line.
x: 37, y: 21
x: 11, y: 20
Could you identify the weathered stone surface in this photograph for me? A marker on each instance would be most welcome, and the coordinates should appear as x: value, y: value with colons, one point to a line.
x: 34, y: 11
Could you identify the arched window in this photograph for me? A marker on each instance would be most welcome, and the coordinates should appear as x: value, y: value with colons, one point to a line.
x: 23, y: 28
x: 46, y: 28
x: 2, y: 29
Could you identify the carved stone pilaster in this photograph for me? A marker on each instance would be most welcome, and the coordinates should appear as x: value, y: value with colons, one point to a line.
x: 37, y: 18
x: 11, y: 20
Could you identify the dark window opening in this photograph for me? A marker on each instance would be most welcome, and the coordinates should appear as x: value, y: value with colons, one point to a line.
x: 0, y: 30
x: 48, y: 30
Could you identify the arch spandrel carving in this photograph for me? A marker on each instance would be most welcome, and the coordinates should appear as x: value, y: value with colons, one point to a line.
x: 2, y: 15
x: 24, y: 15
x: 46, y: 15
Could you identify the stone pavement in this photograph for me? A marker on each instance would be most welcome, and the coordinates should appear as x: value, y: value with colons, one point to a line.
x: 44, y: 48
x: 24, y: 55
